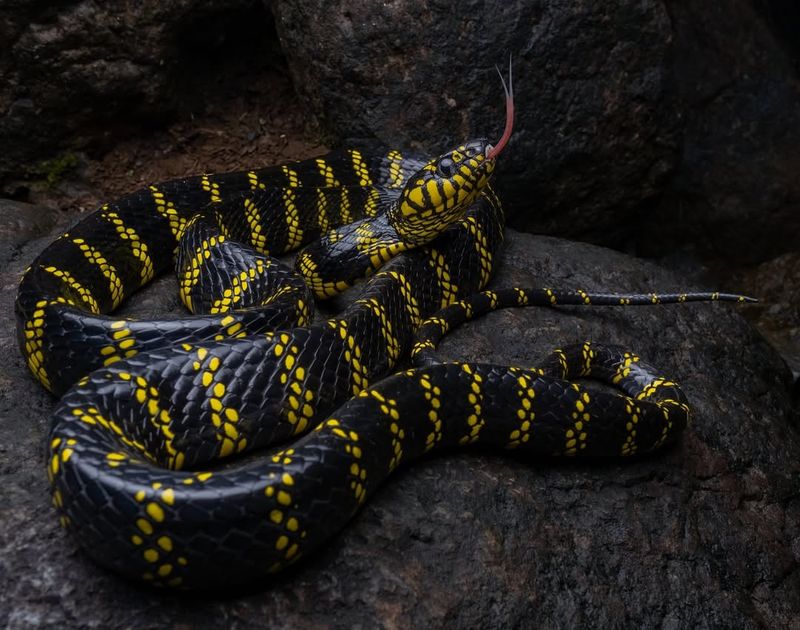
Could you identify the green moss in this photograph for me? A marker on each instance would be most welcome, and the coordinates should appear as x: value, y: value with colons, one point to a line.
x: 53, y: 170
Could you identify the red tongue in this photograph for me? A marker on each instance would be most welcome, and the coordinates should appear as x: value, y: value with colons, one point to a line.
x: 509, y: 90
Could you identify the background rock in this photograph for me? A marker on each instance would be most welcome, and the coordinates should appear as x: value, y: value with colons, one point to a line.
x: 596, y: 129
x: 663, y: 124
x: 735, y: 195
x: 21, y: 222
x: 783, y: 18
x: 655, y: 125
x: 777, y: 283
x: 705, y: 535
x: 83, y: 74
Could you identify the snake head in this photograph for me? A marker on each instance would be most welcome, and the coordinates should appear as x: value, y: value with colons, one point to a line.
x: 441, y: 191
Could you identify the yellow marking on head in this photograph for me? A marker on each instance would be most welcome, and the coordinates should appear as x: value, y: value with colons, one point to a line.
x: 433, y: 192
x: 416, y: 196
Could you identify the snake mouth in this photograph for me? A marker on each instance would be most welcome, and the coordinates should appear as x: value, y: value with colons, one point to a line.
x: 493, y: 151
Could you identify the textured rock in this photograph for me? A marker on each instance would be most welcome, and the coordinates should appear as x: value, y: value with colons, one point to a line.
x: 736, y: 194
x: 783, y: 18
x: 595, y: 127
x: 777, y: 285
x: 611, y: 98
x: 705, y: 535
x: 20, y: 222
x: 81, y: 74
x: 654, y: 123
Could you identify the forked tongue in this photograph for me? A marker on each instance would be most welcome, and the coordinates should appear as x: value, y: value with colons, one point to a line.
x: 493, y: 151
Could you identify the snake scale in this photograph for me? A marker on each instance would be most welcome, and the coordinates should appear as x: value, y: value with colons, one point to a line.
x: 147, y: 406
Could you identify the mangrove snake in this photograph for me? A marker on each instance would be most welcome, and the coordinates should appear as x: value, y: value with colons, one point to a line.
x: 148, y: 405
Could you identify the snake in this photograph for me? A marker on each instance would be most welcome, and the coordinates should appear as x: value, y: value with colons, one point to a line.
x: 156, y: 449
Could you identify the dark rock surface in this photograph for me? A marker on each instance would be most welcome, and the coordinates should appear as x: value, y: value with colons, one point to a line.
x: 653, y: 124
x: 673, y: 124
x: 783, y: 18
x: 83, y: 74
x: 777, y: 283
x: 705, y: 535
x: 735, y: 195
x: 21, y: 222
x: 595, y: 129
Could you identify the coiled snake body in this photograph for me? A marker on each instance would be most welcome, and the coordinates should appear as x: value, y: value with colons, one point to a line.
x: 150, y: 404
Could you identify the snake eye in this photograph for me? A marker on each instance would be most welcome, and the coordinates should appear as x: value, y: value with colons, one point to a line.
x: 446, y: 167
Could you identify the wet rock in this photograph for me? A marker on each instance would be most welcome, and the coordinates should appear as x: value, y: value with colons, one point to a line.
x: 703, y: 535
x: 595, y: 128
x: 81, y: 74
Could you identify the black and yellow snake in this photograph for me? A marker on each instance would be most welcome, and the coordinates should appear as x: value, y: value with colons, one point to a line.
x: 147, y: 406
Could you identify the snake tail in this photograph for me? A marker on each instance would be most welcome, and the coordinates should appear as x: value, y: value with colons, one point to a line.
x: 431, y: 331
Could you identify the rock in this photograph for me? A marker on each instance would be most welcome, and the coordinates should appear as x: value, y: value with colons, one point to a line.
x: 777, y: 315
x: 83, y: 74
x: 595, y: 129
x: 783, y: 19
x: 622, y: 137
x: 621, y: 133
x: 20, y: 222
x: 703, y: 535
x: 735, y: 195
